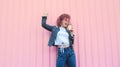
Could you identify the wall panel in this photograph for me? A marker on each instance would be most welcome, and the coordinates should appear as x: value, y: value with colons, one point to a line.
x: 23, y: 42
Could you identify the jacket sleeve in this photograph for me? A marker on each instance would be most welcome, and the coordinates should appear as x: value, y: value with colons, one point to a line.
x: 73, y: 39
x: 44, y: 25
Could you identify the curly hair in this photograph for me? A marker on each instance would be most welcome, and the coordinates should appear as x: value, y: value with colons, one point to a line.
x: 61, y: 17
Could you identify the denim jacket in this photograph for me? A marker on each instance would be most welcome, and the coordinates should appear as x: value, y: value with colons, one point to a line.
x: 54, y: 30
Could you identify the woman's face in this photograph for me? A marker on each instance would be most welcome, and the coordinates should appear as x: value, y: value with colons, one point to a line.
x: 65, y: 22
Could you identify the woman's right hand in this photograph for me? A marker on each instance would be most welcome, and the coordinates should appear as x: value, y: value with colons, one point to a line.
x: 45, y: 13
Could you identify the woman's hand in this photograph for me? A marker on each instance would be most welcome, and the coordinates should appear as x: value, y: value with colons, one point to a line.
x: 70, y: 28
x: 45, y: 13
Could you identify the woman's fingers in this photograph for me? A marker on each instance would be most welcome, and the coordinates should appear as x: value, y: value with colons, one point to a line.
x: 69, y: 27
x: 45, y: 13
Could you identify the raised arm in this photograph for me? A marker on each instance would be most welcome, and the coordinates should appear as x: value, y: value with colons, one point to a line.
x: 44, y: 25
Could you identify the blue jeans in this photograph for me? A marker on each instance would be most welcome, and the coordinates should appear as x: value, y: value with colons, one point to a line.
x: 66, y: 57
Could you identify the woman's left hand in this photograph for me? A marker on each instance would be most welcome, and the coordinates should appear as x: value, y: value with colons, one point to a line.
x: 70, y: 28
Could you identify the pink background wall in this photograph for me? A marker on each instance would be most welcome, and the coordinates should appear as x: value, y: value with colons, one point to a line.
x: 23, y: 42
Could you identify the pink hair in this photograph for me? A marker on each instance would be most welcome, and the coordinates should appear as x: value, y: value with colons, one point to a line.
x: 61, y: 17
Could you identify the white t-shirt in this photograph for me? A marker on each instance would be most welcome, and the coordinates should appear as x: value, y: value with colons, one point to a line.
x: 62, y: 37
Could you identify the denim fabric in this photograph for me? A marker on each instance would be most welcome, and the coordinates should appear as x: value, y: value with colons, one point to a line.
x: 67, y: 57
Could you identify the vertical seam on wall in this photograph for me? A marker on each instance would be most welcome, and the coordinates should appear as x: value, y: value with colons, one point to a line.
x: 117, y: 45
x: 109, y: 28
x: 103, y: 36
x: 90, y: 32
x: 97, y: 37
x: 78, y: 35
x: 84, y: 36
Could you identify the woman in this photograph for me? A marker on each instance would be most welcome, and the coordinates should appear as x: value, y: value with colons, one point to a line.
x: 62, y: 37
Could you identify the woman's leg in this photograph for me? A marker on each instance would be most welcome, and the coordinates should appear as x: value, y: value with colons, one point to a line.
x: 72, y: 59
x: 61, y: 59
